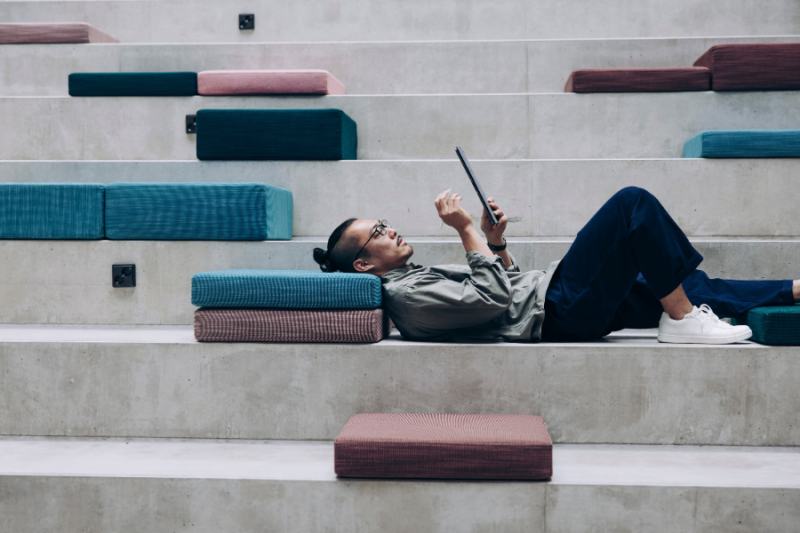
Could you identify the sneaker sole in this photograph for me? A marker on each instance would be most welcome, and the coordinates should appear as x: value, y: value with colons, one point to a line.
x: 691, y: 339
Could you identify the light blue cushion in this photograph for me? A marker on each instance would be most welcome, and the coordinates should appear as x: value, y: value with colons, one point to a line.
x: 286, y: 289
x: 198, y: 211
x: 745, y: 143
x: 51, y: 210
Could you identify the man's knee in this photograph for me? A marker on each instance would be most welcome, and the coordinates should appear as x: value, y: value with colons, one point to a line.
x: 632, y: 195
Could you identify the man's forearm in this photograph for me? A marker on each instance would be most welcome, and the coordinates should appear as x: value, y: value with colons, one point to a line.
x: 473, y: 242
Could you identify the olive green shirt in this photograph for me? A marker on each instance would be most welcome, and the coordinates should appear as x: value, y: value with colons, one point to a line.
x: 483, y: 301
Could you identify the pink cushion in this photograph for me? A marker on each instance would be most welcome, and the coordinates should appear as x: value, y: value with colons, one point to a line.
x: 235, y: 82
x: 48, y: 32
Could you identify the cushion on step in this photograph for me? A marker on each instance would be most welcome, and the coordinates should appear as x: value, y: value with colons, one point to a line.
x: 52, y: 33
x: 614, y: 80
x: 779, y: 325
x: 51, y: 210
x: 444, y: 446
x: 744, y: 143
x: 286, y: 289
x: 133, y: 84
x: 301, y: 134
x: 737, y: 67
x: 290, y: 325
x: 198, y: 211
x: 236, y: 82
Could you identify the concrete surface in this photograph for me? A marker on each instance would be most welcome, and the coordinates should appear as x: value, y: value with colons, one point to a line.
x: 540, y: 66
x: 359, y: 20
x: 627, y: 389
x: 535, y: 126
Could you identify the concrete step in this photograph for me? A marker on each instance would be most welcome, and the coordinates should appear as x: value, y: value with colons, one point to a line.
x: 471, y: 67
x: 734, y: 197
x: 509, y: 126
x: 210, y: 486
x: 69, y: 282
x: 359, y: 20
x: 158, y: 382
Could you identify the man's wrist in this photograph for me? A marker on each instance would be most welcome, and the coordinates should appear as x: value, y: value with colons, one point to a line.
x: 496, y: 242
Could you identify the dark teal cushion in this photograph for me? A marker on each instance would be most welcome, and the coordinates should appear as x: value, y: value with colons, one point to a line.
x: 746, y: 143
x: 133, y: 84
x: 260, y: 134
x: 51, y: 210
x: 286, y: 289
x: 779, y: 325
x: 198, y: 211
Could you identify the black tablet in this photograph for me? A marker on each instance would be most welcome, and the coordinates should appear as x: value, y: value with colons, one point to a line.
x: 478, y: 189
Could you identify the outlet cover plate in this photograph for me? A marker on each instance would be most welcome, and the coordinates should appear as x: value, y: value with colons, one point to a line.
x: 123, y: 276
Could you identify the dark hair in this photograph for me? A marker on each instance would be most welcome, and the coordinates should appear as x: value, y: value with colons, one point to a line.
x: 341, y: 252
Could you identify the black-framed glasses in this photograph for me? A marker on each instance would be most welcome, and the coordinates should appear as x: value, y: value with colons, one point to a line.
x: 380, y: 229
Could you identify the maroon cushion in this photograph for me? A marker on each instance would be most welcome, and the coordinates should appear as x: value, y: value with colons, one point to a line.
x: 444, y: 446
x: 628, y: 80
x: 737, y: 67
x: 290, y: 325
x: 52, y: 32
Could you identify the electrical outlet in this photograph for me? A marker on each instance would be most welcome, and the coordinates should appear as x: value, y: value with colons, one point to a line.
x: 247, y: 22
x: 191, y: 123
x: 123, y: 276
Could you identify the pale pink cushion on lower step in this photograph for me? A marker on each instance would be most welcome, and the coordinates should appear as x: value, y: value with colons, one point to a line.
x: 52, y: 32
x: 235, y: 82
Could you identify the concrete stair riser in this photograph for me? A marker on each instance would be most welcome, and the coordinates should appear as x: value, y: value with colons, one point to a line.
x: 365, y: 68
x: 536, y: 126
x: 359, y: 20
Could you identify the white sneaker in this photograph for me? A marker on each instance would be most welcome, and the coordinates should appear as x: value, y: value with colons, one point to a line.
x: 701, y: 326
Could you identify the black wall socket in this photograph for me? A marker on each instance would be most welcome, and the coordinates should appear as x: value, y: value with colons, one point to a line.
x: 123, y: 276
x: 191, y: 123
x: 247, y: 22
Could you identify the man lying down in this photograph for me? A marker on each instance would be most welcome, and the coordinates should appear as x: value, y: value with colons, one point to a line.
x: 631, y: 266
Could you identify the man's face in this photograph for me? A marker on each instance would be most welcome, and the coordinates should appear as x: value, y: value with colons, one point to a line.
x: 383, y: 252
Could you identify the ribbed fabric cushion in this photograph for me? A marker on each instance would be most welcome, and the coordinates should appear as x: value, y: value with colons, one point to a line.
x: 779, y: 325
x: 198, y: 211
x: 745, y: 143
x: 622, y: 80
x: 288, y: 325
x: 236, y: 82
x: 444, y: 446
x: 286, y: 289
x: 52, y: 33
x: 737, y: 67
x: 51, y: 210
x: 133, y: 84
x: 302, y: 134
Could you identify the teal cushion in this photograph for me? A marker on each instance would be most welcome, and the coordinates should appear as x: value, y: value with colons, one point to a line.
x: 198, y: 211
x: 779, y: 325
x: 299, y: 135
x: 746, y: 143
x: 51, y: 210
x: 133, y: 84
x: 286, y: 289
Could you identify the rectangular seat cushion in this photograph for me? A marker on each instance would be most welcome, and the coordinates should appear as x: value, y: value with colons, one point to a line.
x: 51, y: 210
x: 198, y: 211
x: 290, y: 325
x: 738, y: 67
x: 52, y: 33
x: 744, y: 143
x: 236, y: 82
x: 779, y: 325
x: 133, y: 84
x: 626, y: 80
x: 286, y: 289
x: 444, y: 446
x: 272, y: 134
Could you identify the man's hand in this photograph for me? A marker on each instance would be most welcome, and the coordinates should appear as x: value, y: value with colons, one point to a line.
x: 451, y: 212
x: 494, y: 232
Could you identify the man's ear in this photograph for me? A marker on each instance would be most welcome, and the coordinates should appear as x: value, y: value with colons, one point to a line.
x: 362, y: 266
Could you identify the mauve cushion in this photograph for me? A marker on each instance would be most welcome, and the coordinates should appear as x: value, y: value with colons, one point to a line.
x: 236, y: 82
x: 626, y: 80
x: 738, y: 67
x: 48, y: 32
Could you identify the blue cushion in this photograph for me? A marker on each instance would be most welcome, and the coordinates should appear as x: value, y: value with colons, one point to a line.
x: 746, y: 143
x: 133, y: 84
x: 270, y: 134
x: 198, y: 211
x: 51, y: 210
x: 286, y: 289
x: 779, y: 325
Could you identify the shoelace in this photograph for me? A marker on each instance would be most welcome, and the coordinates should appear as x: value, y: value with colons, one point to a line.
x: 705, y: 314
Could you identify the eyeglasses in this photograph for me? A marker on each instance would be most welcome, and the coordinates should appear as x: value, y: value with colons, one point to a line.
x: 380, y: 229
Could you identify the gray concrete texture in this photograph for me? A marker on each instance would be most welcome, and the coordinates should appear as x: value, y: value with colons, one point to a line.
x: 472, y: 67
x: 621, y: 390
x: 196, y: 21
x: 521, y: 126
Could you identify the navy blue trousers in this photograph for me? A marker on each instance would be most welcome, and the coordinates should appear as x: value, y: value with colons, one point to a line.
x: 629, y: 256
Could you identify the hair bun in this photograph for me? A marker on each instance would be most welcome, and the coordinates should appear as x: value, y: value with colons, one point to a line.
x: 323, y: 259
